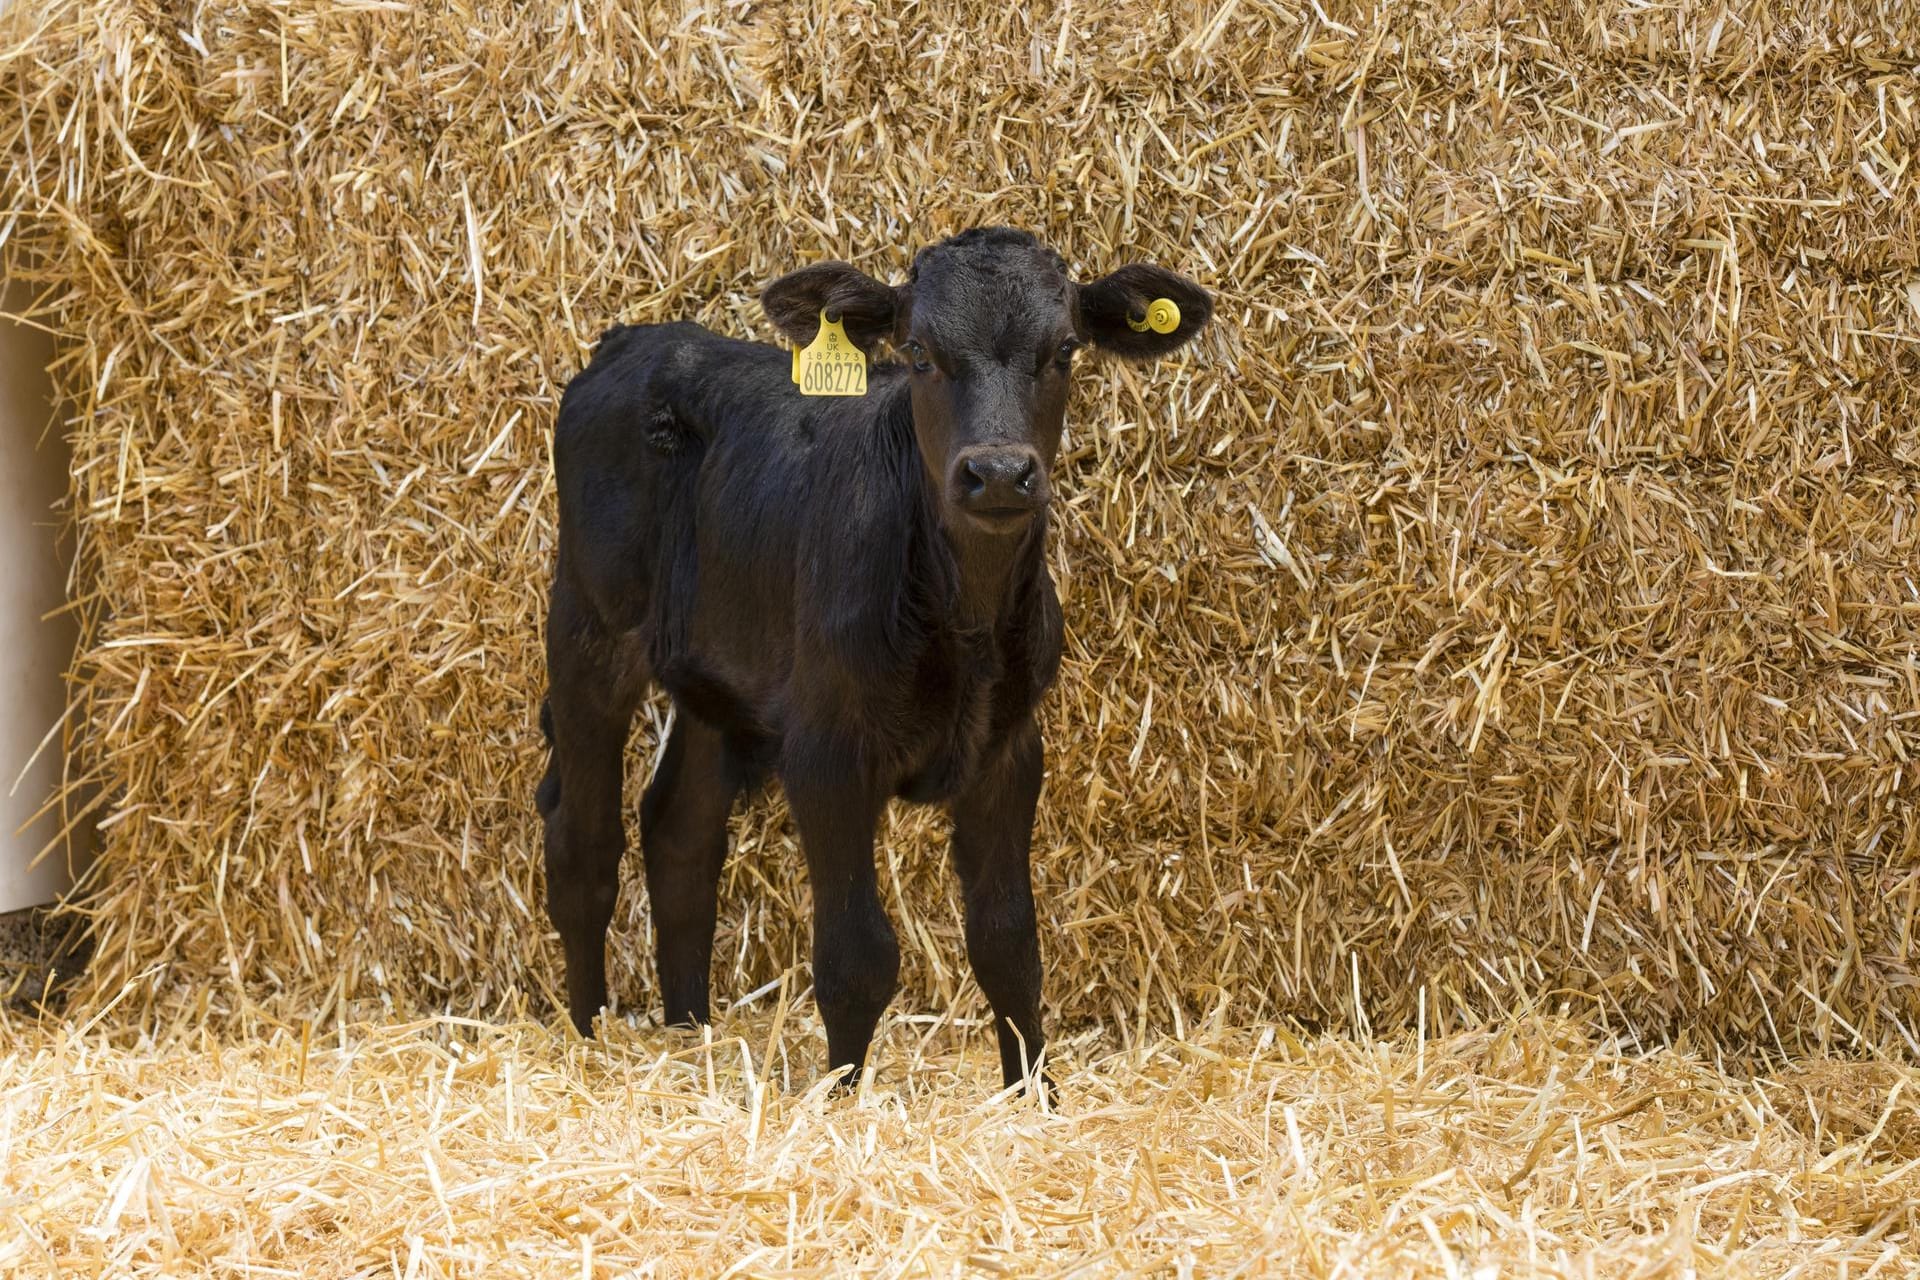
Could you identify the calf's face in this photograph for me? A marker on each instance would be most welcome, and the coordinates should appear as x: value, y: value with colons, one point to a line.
x: 989, y: 322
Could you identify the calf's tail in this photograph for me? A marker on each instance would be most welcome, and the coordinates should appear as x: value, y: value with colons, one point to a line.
x: 546, y: 798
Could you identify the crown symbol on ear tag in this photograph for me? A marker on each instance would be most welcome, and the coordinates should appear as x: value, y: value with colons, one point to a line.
x: 1163, y: 316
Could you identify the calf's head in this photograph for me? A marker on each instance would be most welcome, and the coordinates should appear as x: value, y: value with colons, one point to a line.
x: 989, y: 322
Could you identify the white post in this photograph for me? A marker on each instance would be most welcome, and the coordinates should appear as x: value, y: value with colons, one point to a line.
x: 33, y: 653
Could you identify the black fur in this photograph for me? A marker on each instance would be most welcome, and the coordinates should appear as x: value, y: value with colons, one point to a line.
x: 850, y: 594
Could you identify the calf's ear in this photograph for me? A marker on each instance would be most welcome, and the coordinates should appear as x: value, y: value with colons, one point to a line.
x: 1118, y: 311
x: 864, y: 306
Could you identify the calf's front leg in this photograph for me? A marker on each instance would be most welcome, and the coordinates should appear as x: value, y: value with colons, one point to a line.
x: 856, y: 957
x: 992, y: 843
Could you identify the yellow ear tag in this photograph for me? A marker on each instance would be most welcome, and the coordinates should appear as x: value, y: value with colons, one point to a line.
x: 1163, y: 316
x: 830, y: 365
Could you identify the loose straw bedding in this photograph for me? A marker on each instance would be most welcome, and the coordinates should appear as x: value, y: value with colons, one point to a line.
x: 447, y: 1147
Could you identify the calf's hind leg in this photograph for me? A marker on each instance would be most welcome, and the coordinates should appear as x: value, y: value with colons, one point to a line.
x: 683, y: 837
x: 587, y: 715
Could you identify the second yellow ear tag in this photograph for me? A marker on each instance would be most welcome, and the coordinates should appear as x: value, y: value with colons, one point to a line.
x: 1163, y: 316
x: 830, y: 365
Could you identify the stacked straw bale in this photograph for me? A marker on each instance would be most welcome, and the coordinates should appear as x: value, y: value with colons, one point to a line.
x: 1514, y: 602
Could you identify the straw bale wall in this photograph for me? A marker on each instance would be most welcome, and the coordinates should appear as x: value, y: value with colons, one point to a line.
x: 1513, y: 602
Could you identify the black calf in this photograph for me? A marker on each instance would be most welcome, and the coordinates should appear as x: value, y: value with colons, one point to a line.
x: 848, y: 593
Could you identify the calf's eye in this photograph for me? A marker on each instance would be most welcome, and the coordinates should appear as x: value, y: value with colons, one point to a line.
x: 918, y: 355
x: 1064, y: 356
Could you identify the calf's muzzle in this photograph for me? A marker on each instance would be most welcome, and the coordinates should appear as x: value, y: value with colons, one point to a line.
x: 999, y: 484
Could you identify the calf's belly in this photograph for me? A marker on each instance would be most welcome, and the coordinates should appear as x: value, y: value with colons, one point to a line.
x: 702, y: 691
x: 933, y: 769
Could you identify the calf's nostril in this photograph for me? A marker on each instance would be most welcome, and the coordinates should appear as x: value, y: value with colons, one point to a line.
x: 1024, y: 482
x: 972, y: 480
